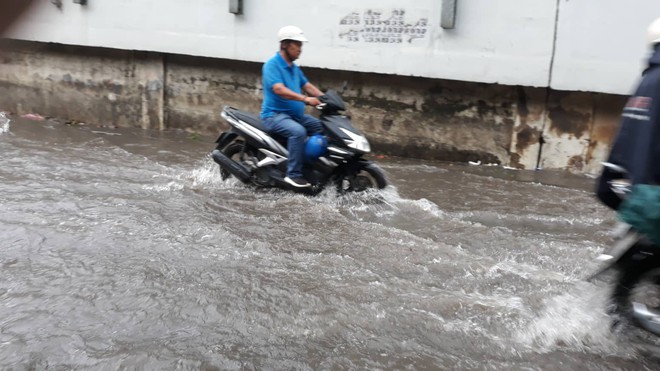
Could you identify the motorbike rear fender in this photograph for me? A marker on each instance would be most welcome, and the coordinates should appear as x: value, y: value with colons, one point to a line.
x: 226, y: 138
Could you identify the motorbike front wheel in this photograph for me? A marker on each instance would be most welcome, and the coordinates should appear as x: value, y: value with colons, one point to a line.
x: 367, y: 176
x: 636, y: 297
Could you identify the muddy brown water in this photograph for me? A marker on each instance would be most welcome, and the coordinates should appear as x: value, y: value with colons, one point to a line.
x: 124, y: 249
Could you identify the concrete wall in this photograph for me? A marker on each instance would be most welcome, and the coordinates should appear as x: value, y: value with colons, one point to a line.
x: 100, y: 86
x: 112, y: 87
x: 407, y: 116
x: 520, y: 83
x: 586, y: 45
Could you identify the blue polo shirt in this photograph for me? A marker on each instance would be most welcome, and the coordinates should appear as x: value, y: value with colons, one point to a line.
x: 274, y: 71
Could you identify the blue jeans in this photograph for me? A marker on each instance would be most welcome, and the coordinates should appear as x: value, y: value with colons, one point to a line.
x: 296, y: 131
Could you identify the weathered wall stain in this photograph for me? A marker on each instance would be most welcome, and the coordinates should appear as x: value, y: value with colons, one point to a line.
x: 574, y: 123
x: 387, y: 124
x: 576, y: 162
x: 521, y: 103
x: 607, y: 109
x: 525, y: 135
x: 567, y: 130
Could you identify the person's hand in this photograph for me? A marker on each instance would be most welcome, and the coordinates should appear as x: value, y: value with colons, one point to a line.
x: 312, y: 101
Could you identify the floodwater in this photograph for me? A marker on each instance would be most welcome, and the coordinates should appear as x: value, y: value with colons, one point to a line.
x: 124, y: 249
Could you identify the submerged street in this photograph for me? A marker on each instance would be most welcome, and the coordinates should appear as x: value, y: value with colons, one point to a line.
x: 124, y: 249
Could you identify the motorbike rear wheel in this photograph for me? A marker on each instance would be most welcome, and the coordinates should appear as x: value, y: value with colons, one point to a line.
x: 368, y: 176
x: 235, y: 151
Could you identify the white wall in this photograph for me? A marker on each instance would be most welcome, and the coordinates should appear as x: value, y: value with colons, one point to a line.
x: 599, y: 43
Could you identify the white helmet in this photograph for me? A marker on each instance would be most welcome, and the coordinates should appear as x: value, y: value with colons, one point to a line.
x: 291, y: 33
x: 653, y: 32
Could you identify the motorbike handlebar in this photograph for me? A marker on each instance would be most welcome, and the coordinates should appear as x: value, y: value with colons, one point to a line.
x: 619, y: 185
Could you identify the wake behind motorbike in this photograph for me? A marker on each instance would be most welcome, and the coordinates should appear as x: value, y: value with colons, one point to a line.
x: 635, y: 262
x: 252, y: 155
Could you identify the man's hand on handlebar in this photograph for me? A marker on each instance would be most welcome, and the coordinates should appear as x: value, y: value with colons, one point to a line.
x: 312, y: 101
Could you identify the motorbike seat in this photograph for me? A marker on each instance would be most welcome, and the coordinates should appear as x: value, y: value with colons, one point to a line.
x: 255, y: 121
x: 247, y: 117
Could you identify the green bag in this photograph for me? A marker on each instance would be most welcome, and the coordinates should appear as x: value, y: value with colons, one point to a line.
x: 641, y: 209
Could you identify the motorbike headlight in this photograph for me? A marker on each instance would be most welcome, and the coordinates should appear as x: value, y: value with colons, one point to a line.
x: 357, y: 141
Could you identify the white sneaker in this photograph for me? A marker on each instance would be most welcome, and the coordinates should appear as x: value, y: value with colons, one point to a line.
x: 298, y: 182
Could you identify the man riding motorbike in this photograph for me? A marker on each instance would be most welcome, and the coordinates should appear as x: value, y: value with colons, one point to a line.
x: 283, y: 107
x: 636, y: 147
x: 630, y: 184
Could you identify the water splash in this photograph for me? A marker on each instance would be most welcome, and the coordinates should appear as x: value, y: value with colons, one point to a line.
x: 208, y: 174
x: 204, y: 176
x: 172, y: 186
x: 576, y: 320
x: 4, y: 123
x: 375, y: 205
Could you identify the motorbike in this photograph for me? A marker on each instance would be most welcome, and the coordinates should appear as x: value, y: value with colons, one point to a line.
x: 253, y: 156
x: 635, y: 262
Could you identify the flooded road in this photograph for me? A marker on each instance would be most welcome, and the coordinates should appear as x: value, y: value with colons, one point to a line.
x: 124, y: 249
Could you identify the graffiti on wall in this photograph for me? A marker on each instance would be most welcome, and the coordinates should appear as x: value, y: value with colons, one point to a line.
x: 374, y: 26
